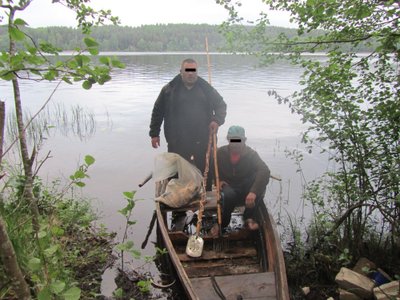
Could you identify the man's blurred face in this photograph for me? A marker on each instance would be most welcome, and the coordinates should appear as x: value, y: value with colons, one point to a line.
x: 189, y: 74
x: 236, y: 145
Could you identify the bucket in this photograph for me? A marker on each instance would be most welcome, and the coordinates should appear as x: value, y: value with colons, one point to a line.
x: 379, y: 278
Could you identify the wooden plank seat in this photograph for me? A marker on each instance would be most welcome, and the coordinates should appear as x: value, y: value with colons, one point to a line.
x: 241, y: 286
x: 213, y: 255
x: 222, y: 267
x: 180, y: 236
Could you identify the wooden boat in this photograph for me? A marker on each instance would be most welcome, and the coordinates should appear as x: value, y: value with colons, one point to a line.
x: 241, y: 264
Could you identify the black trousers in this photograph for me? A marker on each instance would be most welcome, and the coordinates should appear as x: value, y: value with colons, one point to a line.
x: 233, y: 196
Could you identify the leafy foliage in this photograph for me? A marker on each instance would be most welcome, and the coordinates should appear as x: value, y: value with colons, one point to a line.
x: 132, y: 283
x: 31, y: 59
x: 69, y: 246
x: 352, y: 106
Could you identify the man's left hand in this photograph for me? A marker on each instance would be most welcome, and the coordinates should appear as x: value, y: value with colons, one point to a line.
x: 251, y: 200
x: 213, y: 126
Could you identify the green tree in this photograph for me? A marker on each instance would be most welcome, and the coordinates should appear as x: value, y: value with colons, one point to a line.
x: 27, y: 59
x: 351, y: 103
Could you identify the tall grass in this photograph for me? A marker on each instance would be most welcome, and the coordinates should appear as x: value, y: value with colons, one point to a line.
x: 54, y: 119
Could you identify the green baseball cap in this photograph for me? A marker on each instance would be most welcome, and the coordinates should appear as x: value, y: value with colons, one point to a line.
x: 236, y: 131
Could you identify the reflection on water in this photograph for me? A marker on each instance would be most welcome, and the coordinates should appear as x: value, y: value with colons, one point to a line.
x: 121, y: 145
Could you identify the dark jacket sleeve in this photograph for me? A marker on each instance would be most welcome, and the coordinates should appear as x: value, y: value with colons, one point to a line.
x: 262, y: 174
x: 219, y: 107
x: 158, y: 114
x: 217, y: 103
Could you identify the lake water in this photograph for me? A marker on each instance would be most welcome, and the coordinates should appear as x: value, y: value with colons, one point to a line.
x: 121, y: 145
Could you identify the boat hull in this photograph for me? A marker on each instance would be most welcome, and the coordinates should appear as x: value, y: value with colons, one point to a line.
x: 241, y: 264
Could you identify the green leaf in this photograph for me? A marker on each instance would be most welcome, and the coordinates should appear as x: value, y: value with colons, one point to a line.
x: 49, y: 48
x: 5, y: 75
x: 20, y: 22
x: 135, y: 253
x: 144, y: 286
x: 42, y: 234
x: 93, y: 50
x: 45, y: 294
x: 79, y: 174
x: 89, y: 160
x: 50, y: 75
x: 103, y: 79
x: 34, y: 264
x: 80, y: 183
x: 57, y: 231
x: 363, y: 12
x: 73, y: 64
x: 67, y: 80
x: 130, y: 205
x: 117, y: 64
x: 125, y: 246
x: 118, y: 293
x: 73, y: 293
x: 129, y: 195
x: 32, y: 50
x: 124, y: 211
x: 57, y: 287
x: 105, y: 60
x: 90, y: 42
x: 16, y: 34
x: 51, y: 250
x: 81, y: 60
x: 87, y: 85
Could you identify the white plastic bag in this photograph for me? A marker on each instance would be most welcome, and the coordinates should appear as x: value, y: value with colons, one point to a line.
x: 179, y: 191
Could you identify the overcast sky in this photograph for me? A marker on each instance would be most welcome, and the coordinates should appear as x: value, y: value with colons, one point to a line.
x: 43, y: 13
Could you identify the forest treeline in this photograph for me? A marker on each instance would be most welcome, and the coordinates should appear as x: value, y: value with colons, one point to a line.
x: 167, y: 37
x: 158, y: 38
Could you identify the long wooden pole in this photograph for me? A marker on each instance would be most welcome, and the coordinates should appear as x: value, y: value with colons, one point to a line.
x: 203, y: 195
x: 219, y: 212
x: 208, y: 63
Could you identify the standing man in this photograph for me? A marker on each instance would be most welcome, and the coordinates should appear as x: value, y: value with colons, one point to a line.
x: 189, y: 108
x: 244, y: 177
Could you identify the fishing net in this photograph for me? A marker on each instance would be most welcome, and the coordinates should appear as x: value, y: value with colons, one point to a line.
x: 186, y: 181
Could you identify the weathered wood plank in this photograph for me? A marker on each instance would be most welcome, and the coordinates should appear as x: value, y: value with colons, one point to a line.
x: 388, y: 291
x: 229, y: 253
x: 222, y: 267
x: 355, y: 283
x: 247, y: 286
x: 244, y: 234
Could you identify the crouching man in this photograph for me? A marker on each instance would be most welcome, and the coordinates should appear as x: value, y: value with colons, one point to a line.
x: 243, y: 179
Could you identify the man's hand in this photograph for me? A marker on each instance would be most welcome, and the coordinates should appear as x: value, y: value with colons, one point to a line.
x: 222, y: 184
x: 251, y: 200
x: 213, y: 126
x: 155, y: 142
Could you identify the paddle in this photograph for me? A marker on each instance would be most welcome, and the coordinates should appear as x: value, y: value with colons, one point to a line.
x: 150, y: 230
x: 153, y: 218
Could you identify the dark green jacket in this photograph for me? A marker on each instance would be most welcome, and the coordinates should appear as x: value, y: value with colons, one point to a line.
x: 250, y: 165
x: 165, y: 108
